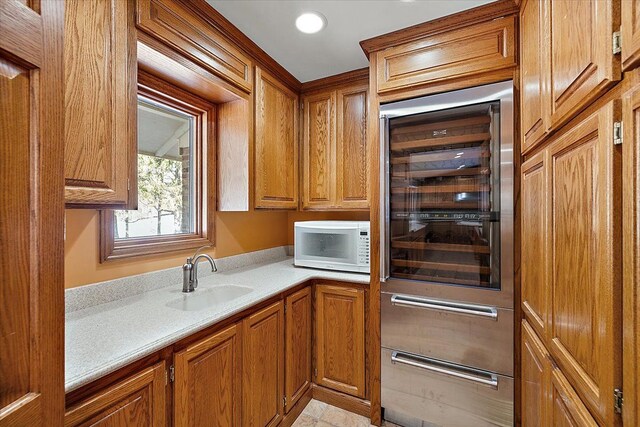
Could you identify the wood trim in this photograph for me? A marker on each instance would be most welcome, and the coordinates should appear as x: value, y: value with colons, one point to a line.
x: 342, y: 79
x: 158, y: 90
x: 462, y: 19
x: 341, y: 400
x: 261, y: 58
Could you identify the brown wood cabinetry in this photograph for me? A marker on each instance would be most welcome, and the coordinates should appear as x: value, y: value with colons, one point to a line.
x: 480, y: 48
x: 582, y: 64
x: 100, y: 104
x: 533, y: 70
x: 137, y: 401
x: 566, y: 408
x: 297, y: 346
x: 208, y: 378
x: 276, y: 144
x: 263, y: 367
x: 335, y: 172
x: 630, y: 32
x: 171, y: 22
x: 31, y: 213
x: 340, y: 338
x: 535, y: 379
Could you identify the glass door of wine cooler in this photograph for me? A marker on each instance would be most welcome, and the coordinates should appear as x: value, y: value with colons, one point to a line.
x: 448, y: 182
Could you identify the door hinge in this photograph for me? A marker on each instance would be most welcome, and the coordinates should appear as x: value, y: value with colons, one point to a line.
x: 172, y: 373
x: 617, y: 133
x: 128, y: 185
x: 284, y: 401
x: 315, y: 372
x: 617, y: 42
x: 617, y: 400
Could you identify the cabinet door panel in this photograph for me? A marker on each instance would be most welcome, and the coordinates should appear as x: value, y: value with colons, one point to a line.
x: 534, y: 71
x: 585, y: 233
x: 31, y: 214
x: 276, y: 144
x: 582, y: 62
x: 340, y: 356
x: 566, y: 408
x: 207, y: 381
x: 138, y: 401
x: 100, y: 104
x: 263, y: 367
x: 630, y: 31
x: 535, y: 243
x: 351, y: 148
x: 319, y: 151
x: 298, y: 345
x: 536, y: 370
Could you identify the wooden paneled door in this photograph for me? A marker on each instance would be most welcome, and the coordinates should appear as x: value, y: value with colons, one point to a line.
x: 137, y: 401
x: 297, y: 346
x: 534, y: 72
x: 263, y: 367
x: 340, y: 339
x: 535, y: 379
x: 31, y: 213
x: 318, y: 150
x: 351, y: 148
x: 535, y: 244
x: 276, y: 144
x: 630, y: 32
x: 582, y: 63
x: 631, y: 256
x: 208, y: 377
x: 584, y: 190
x: 566, y: 409
x: 100, y: 104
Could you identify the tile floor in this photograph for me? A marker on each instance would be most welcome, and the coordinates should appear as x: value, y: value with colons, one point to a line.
x: 320, y: 414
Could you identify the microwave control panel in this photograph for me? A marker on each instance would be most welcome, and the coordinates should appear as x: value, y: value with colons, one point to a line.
x: 363, y: 247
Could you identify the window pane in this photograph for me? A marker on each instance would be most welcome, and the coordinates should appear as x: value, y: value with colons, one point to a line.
x: 165, y: 174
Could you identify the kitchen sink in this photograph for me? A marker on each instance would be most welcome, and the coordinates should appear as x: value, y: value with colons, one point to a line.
x: 201, y: 299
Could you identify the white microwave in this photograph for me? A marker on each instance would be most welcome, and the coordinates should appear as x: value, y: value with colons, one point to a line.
x: 332, y: 245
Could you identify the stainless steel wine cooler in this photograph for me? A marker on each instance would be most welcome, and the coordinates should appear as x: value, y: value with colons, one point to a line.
x: 447, y: 258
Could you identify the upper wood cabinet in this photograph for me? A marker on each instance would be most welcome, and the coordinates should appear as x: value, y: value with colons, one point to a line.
x: 582, y: 64
x: 535, y: 379
x: 100, y: 104
x: 137, y: 401
x: 340, y: 338
x: 533, y: 71
x: 173, y: 23
x: 276, y: 144
x: 535, y: 244
x: 208, y: 377
x: 479, y: 48
x: 297, y: 346
x: 630, y: 32
x: 263, y: 367
x: 584, y: 191
x: 31, y: 214
x: 335, y: 171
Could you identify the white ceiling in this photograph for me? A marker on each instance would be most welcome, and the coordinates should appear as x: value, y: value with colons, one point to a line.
x: 271, y: 25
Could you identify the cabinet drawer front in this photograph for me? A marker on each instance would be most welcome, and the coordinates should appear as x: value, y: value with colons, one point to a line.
x: 484, y: 47
x: 434, y: 330
x: 171, y: 23
x: 439, y: 397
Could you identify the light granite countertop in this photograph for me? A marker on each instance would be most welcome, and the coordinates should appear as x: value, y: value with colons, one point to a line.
x: 104, y: 337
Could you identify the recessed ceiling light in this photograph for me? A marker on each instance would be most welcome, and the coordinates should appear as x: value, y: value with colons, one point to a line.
x: 311, y: 22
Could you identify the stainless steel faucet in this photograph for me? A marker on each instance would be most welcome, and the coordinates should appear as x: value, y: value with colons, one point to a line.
x: 190, y: 270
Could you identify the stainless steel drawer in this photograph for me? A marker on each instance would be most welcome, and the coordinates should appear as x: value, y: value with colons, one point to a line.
x: 418, y: 391
x: 471, y: 335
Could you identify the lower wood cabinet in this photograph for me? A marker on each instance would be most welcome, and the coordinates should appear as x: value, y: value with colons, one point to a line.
x: 263, y: 367
x: 207, y: 381
x: 566, y: 407
x: 535, y: 378
x: 340, y: 338
x: 297, y: 346
x: 136, y: 401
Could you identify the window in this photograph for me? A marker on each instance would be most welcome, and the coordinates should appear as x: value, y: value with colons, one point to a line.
x: 175, y: 149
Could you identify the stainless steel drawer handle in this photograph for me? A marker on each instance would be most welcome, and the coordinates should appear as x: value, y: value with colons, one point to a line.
x: 451, y: 369
x: 453, y: 307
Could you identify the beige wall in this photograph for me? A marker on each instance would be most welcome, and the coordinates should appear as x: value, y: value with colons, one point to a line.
x: 236, y: 232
